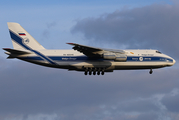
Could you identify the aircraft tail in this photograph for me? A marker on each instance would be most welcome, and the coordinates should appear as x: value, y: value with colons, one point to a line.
x: 21, y: 39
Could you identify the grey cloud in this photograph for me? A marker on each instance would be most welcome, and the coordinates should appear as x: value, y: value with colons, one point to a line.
x: 175, y: 1
x: 147, y: 116
x: 46, y: 32
x: 145, y: 105
x: 171, y: 102
x: 149, y: 27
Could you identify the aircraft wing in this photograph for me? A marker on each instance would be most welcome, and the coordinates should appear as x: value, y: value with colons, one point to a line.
x: 93, y: 51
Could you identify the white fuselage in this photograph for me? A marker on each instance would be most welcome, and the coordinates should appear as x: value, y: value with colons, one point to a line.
x: 74, y: 60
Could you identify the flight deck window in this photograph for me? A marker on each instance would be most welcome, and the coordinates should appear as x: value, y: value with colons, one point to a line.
x: 158, y: 52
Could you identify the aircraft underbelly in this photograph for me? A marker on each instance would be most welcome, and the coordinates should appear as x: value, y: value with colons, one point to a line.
x: 139, y: 65
x: 116, y: 65
x: 100, y: 64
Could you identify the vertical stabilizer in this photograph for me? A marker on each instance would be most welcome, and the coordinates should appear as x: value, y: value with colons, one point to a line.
x: 21, y: 39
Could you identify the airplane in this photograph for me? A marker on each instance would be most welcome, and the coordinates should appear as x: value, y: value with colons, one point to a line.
x: 90, y: 60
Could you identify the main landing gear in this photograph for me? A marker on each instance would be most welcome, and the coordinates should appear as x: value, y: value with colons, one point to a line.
x: 94, y: 71
x: 151, y: 71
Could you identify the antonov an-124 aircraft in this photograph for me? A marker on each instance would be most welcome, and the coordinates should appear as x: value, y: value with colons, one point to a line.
x: 90, y: 60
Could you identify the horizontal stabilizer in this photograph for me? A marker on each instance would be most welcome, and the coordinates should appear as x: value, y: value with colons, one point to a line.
x: 15, y: 52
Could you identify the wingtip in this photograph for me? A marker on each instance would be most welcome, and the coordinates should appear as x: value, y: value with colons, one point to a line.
x: 6, y: 48
x: 70, y: 43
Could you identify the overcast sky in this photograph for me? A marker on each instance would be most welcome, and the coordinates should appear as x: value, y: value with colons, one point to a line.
x: 32, y: 92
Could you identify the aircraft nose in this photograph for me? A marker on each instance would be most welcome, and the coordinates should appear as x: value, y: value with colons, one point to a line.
x: 174, y: 61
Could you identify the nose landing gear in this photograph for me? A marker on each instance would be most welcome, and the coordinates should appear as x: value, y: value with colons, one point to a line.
x: 151, y: 71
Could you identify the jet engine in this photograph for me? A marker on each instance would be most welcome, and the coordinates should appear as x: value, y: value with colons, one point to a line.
x: 115, y: 56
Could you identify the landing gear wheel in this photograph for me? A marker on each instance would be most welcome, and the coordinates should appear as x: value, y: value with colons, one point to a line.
x: 151, y: 71
x: 98, y: 73
x: 102, y: 72
x: 94, y: 73
x: 86, y: 72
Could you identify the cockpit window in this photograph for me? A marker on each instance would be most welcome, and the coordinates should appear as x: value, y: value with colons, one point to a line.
x: 158, y: 52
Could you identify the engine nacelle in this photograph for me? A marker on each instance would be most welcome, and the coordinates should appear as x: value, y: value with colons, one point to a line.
x: 121, y: 57
x: 115, y: 56
x: 109, y: 56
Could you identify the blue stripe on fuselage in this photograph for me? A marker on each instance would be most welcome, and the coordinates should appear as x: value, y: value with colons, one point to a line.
x: 85, y: 58
x: 61, y: 58
x: 152, y: 59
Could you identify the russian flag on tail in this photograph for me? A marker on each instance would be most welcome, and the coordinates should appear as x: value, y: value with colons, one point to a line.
x: 22, y: 34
